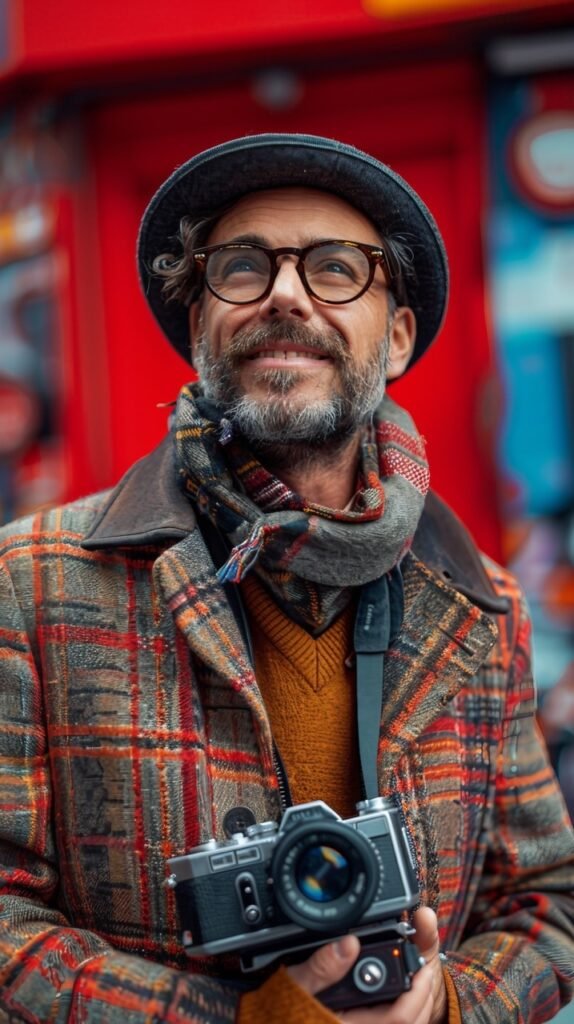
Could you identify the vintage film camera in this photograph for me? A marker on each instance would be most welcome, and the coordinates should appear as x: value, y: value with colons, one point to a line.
x: 279, y: 891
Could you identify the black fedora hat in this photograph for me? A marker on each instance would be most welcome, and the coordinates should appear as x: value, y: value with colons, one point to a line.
x: 220, y: 176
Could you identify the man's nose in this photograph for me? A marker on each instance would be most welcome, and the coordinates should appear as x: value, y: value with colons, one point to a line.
x: 287, y: 297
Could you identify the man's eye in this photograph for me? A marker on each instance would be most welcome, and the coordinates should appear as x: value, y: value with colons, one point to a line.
x: 335, y: 267
x: 339, y: 268
x: 240, y: 265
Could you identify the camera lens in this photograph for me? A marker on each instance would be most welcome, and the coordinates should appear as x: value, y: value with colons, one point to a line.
x: 323, y: 873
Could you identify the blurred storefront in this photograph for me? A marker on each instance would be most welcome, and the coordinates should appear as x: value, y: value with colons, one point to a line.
x: 31, y: 358
x: 531, y: 268
x: 472, y: 101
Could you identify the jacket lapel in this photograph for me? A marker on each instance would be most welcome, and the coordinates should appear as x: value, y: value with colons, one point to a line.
x: 187, y: 581
x: 443, y: 641
x: 148, y: 508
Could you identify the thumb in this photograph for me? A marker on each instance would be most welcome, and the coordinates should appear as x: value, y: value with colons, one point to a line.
x: 327, y: 965
x: 426, y: 927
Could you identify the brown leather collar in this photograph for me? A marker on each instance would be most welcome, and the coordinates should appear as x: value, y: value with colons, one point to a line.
x: 147, y: 507
x: 445, y: 545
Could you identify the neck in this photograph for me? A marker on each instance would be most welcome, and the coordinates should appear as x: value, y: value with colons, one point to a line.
x: 325, y: 477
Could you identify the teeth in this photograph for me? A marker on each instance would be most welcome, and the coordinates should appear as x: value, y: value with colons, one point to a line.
x: 291, y: 354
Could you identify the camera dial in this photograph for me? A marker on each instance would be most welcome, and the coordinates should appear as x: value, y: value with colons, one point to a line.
x: 262, y: 829
x: 369, y: 974
x: 376, y: 803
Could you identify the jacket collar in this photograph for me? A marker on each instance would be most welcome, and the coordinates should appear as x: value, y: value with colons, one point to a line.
x: 147, y: 507
x: 443, y: 543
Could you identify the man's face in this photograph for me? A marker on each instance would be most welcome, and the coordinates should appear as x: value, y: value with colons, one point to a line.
x: 289, y: 368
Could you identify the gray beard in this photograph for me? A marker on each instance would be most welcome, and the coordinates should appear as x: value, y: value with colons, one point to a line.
x: 281, y: 430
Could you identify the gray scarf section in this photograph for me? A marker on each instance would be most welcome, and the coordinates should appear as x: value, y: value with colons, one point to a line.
x: 309, y: 557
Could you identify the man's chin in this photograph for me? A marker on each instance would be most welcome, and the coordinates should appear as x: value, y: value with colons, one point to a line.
x: 293, y: 388
x: 292, y: 422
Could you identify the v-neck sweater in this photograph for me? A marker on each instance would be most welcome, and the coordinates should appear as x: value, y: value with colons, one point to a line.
x: 308, y: 687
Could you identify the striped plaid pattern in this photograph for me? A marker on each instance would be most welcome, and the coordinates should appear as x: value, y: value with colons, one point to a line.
x: 114, y: 757
x: 402, y: 453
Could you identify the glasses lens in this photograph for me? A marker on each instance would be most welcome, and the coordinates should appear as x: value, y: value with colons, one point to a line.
x: 335, y: 272
x: 238, y: 273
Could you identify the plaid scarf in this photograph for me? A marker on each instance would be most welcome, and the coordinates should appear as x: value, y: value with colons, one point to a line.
x: 307, y: 555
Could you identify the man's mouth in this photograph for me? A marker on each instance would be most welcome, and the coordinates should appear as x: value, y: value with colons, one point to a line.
x: 287, y: 355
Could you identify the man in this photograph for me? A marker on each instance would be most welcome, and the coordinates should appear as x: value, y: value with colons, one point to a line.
x: 183, y: 656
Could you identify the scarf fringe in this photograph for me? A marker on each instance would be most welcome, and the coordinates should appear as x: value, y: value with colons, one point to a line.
x: 244, y: 555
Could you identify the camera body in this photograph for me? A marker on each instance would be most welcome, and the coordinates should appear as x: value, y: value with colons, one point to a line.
x: 279, y: 891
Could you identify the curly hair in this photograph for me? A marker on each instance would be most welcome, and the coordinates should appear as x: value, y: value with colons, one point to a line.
x: 183, y: 282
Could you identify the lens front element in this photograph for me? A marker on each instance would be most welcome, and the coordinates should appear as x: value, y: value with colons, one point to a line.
x: 323, y: 874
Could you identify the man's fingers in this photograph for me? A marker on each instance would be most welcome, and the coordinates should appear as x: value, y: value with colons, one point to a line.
x: 427, y: 940
x: 327, y: 965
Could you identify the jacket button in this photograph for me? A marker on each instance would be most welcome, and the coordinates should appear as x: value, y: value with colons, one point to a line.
x: 238, y: 819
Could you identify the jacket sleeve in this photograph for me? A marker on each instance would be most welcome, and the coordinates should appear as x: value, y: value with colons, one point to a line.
x: 517, y: 960
x: 49, y: 971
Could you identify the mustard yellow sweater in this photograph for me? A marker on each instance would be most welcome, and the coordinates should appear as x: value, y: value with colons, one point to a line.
x: 309, y: 693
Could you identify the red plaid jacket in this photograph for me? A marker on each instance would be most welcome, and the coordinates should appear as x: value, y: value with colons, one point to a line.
x: 113, y: 758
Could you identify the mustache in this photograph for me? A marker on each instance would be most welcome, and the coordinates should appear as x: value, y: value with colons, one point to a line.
x: 328, y: 342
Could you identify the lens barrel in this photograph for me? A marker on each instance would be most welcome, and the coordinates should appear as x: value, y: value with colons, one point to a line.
x: 325, y: 875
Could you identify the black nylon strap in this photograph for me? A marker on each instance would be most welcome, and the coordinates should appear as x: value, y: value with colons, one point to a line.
x: 379, y: 614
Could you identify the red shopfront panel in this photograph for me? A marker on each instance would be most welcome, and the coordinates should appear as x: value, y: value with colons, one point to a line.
x: 427, y: 123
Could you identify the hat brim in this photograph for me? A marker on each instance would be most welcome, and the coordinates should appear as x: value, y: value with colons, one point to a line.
x: 220, y: 176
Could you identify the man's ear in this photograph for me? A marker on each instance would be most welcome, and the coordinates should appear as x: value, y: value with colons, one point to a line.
x: 195, y: 327
x: 402, y: 336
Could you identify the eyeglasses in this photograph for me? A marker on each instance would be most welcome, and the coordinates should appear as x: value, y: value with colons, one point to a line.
x: 331, y: 271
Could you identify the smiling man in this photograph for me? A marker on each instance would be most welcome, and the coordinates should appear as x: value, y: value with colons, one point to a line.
x: 271, y: 610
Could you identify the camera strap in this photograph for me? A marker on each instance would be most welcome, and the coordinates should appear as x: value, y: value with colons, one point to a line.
x: 378, y: 620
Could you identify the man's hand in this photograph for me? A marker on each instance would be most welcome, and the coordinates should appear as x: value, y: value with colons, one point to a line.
x: 425, y: 1003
